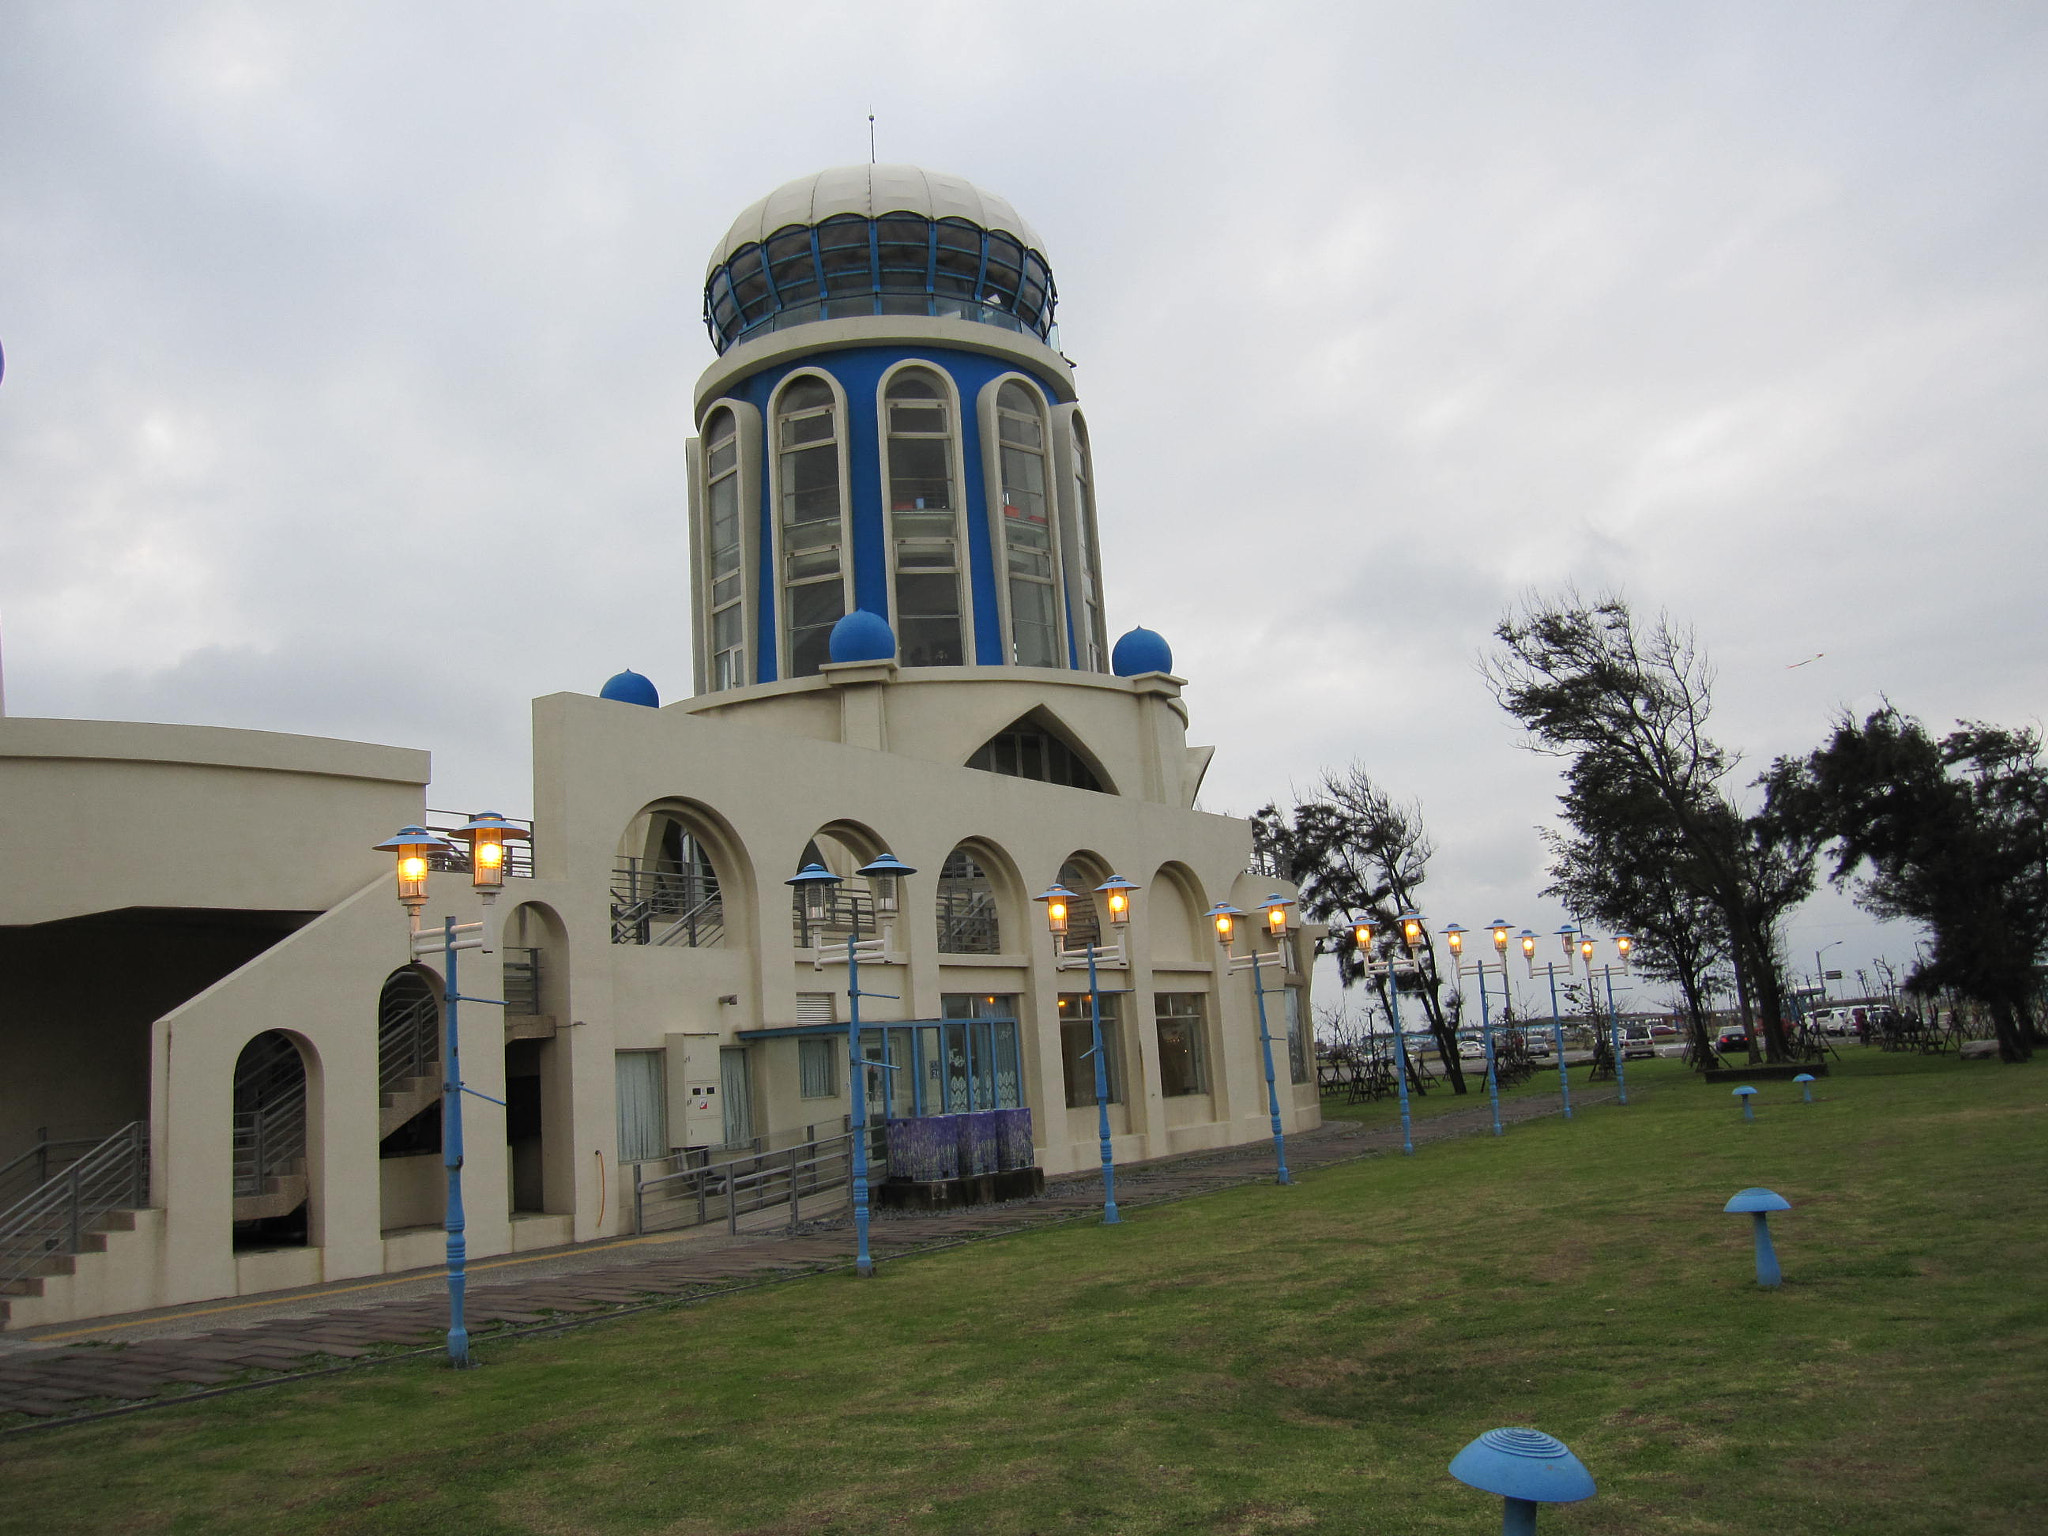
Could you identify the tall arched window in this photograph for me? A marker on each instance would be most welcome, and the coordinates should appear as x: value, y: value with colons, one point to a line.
x: 1027, y: 529
x: 725, y: 606
x: 813, y: 522
x: 923, y: 521
x: 968, y: 921
x: 1094, y: 645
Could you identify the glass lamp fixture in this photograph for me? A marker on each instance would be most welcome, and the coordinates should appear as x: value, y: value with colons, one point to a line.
x: 1225, y: 917
x: 415, y: 848
x: 1500, y: 936
x: 883, y: 873
x: 1624, y: 946
x: 1411, y: 930
x: 1116, y: 894
x: 1455, y: 937
x: 1568, y: 936
x: 1274, y: 910
x: 487, y: 833
x: 1361, y: 936
x: 1586, y: 952
x: 816, y: 883
x: 1529, y: 948
x: 1056, y: 899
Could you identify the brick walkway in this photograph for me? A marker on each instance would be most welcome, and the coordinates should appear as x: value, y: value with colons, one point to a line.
x: 61, y: 1380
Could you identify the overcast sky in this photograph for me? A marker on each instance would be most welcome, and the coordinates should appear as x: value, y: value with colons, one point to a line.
x: 1383, y: 314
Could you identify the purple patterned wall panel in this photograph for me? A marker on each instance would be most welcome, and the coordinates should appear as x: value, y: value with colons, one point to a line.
x: 977, y: 1142
x: 1013, y: 1139
x: 926, y: 1150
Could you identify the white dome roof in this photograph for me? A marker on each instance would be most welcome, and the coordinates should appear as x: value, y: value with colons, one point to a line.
x: 871, y: 191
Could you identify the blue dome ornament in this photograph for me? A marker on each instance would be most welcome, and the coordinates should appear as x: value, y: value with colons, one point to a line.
x: 1142, y: 650
x: 629, y: 687
x: 863, y: 636
x: 1526, y: 1468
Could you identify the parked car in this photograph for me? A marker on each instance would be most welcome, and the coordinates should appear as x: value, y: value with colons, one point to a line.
x: 1538, y: 1042
x: 1733, y: 1038
x: 1662, y: 1031
x: 1473, y: 1047
x: 1636, y: 1041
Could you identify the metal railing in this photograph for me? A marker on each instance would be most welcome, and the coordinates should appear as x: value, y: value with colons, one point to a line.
x: 522, y: 980
x: 843, y: 908
x: 967, y: 923
x: 455, y: 858
x: 267, y: 1142
x: 47, y: 1157
x: 55, y: 1218
x: 726, y: 1191
x: 408, y: 1042
x: 666, y: 906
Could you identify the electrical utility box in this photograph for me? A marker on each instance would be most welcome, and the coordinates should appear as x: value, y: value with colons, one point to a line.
x: 693, y: 1091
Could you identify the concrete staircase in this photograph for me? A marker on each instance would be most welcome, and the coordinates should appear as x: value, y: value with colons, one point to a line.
x: 83, y: 1284
x: 283, y: 1192
x: 404, y: 1099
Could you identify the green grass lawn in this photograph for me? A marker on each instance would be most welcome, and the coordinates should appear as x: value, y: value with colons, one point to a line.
x: 1305, y: 1359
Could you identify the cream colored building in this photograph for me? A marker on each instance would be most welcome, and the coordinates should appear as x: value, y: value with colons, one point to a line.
x: 214, y: 1030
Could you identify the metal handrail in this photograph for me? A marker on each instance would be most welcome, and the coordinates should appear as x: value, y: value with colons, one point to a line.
x: 968, y: 924
x: 33, y: 1168
x: 55, y: 1219
x: 729, y: 1190
x: 408, y: 1043
x: 266, y: 1143
x: 844, y: 912
x: 689, y: 903
x: 521, y: 969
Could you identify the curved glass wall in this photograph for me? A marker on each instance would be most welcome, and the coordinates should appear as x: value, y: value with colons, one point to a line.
x: 727, y: 610
x: 813, y: 522
x: 1028, y: 557
x: 898, y: 264
x: 924, y: 530
x: 1094, y: 644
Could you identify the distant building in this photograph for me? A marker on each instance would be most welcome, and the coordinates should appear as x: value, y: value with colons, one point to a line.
x: 210, y: 1018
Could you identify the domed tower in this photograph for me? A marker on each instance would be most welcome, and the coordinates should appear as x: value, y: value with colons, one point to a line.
x: 889, y: 427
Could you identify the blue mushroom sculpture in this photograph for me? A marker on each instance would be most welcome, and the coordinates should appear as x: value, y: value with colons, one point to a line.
x: 1757, y: 1204
x: 1525, y: 1467
x: 1807, y: 1080
x: 1746, y: 1093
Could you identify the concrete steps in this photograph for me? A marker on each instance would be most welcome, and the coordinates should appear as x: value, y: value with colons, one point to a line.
x: 406, y: 1099
x: 282, y: 1194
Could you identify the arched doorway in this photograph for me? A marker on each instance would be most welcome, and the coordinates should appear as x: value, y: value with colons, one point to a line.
x: 410, y: 1190
x: 272, y: 1204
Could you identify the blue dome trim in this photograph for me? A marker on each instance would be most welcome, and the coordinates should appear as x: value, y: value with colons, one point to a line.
x: 863, y: 636
x: 629, y: 687
x: 1141, y: 651
x: 1527, y: 1464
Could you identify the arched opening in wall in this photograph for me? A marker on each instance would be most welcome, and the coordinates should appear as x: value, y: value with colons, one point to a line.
x: 969, y: 914
x: 1081, y: 874
x: 411, y: 1186
x: 1183, y: 1001
x: 272, y: 1204
x: 535, y: 953
x: 666, y: 885
x: 724, y: 603
x: 813, y: 537
x: 1173, y: 918
x: 1033, y: 747
x: 1030, y: 550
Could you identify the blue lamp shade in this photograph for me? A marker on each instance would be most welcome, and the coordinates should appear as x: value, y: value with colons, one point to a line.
x: 1752, y: 1200
x: 1139, y: 652
x: 863, y: 636
x: 629, y: 687
x: 1523, y: 1464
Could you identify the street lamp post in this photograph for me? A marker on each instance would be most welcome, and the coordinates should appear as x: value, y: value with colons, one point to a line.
x: 1225, y: 917
x: 1409, y: 930
x: 1564, y: 1078
x: 415, y: 847
x: 817, y: 884
x: 1624, y: 946
x: 1820, y: 970
x: 1117, y: 893
x: 1454, y: 936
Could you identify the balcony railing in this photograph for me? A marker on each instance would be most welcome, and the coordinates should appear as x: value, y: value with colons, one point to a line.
x: 665, y: 906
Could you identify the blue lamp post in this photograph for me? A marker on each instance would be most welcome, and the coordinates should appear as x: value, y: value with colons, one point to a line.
x: 1116, y: 893
x: 1408, y: 929
x: 817, y: 884
x: 1454, y: 936
x: 1624, y: 945
x: 1225, y: 918
x: 1568, y: 934
x: 415, y: 848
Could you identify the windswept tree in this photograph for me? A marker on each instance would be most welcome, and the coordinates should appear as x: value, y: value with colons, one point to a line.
x: 1952, y: 834
x: 1620, y: 865
x: 1356, y: 852
x: 1632, y: 702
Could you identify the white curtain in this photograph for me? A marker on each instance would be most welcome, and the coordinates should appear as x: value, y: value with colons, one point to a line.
x: 643, y: 1105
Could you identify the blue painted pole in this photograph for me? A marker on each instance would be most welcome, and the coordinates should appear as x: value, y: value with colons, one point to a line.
x: 1564, y: 1076
x: 1614, y: 1019
x: 1109, y: 1215
x: 1400, y: 1062
x: 1486, y: 1034
x: 1280, y: 1175
x: 1767, y: 1272
x: 451, y: 1158
x: 1518, y: 1517
x: 857, y: 1091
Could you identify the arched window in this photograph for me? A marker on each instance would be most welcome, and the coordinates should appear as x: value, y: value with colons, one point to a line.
x: 1093, y: 642
x: 1028, y: 749
x: 725, y: 606
x: 665, y: 888
x: 968, y: 923
x: 1028, y: 554
x: 923, y: 521
x: 813, y: 522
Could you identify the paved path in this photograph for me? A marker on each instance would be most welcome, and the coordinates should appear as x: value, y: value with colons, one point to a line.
x: 70, y: 1369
